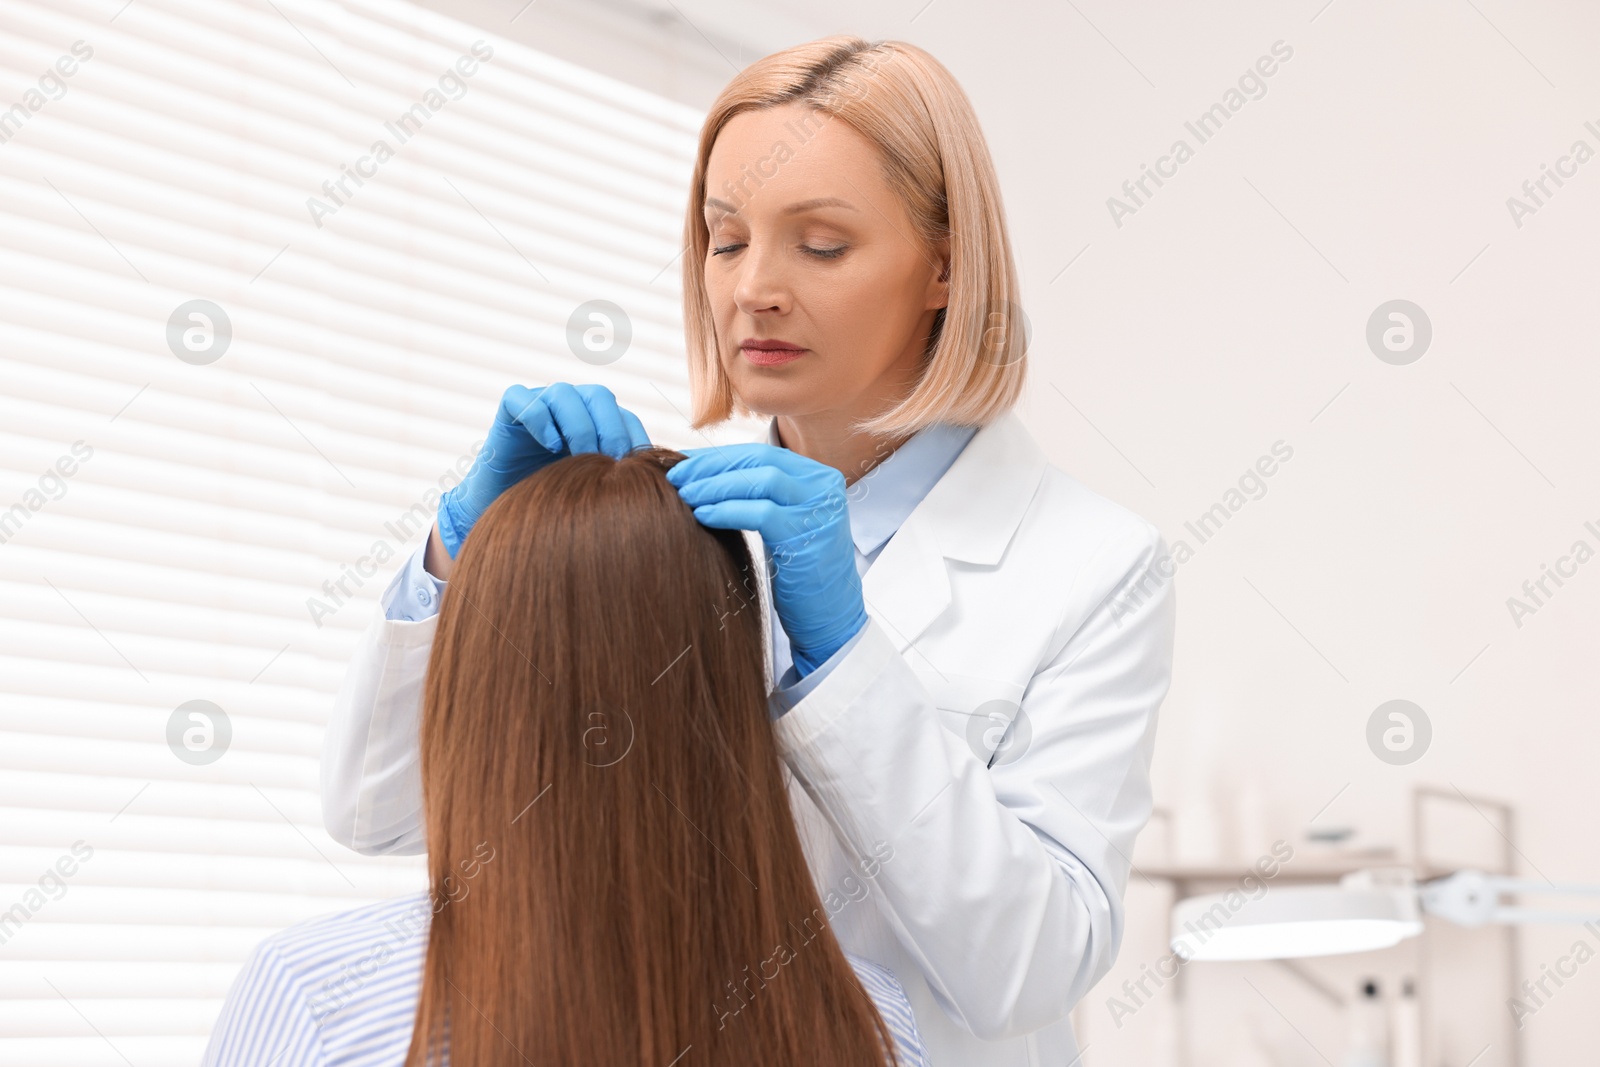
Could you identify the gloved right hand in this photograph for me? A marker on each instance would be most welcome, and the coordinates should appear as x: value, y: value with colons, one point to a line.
x: 533, y: 428
x: 799, y: 507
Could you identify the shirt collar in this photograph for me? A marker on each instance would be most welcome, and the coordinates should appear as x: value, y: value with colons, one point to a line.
x: 881, y: 500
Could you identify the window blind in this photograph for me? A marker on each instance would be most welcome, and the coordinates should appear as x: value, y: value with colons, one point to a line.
x: 265, y: 269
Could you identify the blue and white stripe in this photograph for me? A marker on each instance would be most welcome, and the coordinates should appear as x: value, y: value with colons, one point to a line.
x: 890, y: 997
x: 341, y: 991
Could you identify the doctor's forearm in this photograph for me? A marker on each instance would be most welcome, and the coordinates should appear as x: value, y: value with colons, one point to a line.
x: 437, y: 559
x: 371, y: 772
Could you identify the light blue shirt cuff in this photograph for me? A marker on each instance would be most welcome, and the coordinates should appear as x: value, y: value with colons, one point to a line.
x: 792, y: 688
x: 413, y: 594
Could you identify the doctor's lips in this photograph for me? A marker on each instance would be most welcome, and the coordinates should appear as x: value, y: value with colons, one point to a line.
x: 765, y: 353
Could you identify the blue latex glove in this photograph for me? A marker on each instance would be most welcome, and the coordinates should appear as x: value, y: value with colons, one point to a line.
x: 798, y: 506
x: 532, y: 429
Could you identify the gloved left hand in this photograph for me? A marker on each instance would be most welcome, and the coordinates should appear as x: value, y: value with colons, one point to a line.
x: 798, y: 506
x: 532, y: 429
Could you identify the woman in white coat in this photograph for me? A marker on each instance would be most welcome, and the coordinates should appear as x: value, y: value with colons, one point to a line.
x: 969, y: 647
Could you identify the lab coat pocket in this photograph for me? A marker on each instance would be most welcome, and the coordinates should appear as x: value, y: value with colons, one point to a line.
x: 977, y: 708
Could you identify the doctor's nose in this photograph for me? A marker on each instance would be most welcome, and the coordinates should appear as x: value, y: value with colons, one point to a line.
x: 762, y: 283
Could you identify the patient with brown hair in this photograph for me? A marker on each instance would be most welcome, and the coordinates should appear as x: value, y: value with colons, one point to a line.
x: 615, y: 877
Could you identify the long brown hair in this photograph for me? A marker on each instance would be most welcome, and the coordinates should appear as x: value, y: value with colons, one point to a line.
x: 611, y: 851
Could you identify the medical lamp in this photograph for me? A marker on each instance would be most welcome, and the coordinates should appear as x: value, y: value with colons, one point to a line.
x: 1365, y: 910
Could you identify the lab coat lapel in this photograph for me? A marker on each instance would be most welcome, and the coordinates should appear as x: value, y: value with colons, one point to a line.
x: 969, y: 515
x: 907, y: 586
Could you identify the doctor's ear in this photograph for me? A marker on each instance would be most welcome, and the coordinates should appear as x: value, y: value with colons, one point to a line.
x: 940, y: 287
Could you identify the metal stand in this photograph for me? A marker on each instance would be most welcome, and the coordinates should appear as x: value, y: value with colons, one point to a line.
x: 1420, y: 796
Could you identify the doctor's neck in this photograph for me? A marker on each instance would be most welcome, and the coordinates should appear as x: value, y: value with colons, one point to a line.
x: 826, y: 437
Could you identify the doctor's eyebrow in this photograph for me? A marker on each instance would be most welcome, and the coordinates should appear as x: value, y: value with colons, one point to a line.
x: 793, y: 209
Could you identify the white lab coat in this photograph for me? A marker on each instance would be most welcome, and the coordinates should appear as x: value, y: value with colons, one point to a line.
x: 1000, y: 903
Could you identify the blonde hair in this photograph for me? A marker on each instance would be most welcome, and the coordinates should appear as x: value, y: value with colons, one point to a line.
x: 906, y: 103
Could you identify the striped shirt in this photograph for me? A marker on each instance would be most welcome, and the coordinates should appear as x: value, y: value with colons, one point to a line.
x: 341, y: 991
